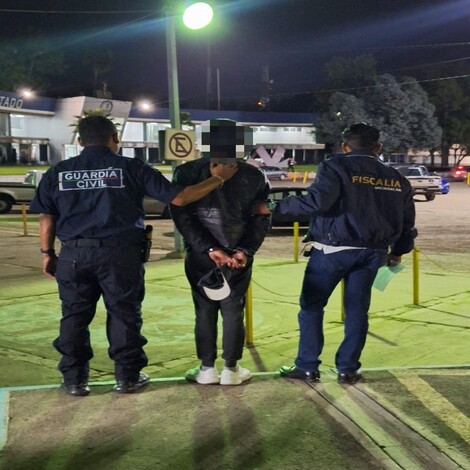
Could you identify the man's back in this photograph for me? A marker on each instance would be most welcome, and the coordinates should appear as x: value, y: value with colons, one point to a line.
x: 356, y: 200
x: 99, y: 194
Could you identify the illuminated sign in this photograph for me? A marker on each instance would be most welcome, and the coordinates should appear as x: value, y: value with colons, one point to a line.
x: 10, y: 102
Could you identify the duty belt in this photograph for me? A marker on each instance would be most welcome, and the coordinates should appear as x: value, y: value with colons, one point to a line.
x: 96, y: 242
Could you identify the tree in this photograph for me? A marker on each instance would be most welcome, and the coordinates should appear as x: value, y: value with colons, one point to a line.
x: 387, y: 105
x: 343, y: 111
x: 423, y: 122
x: 345, y: 72
x: 99, y: 59
x: 402, y: 111
x: 31, y: 62
x: 452, y: 102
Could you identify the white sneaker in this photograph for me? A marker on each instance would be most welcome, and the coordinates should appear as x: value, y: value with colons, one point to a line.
x: 205, y: 377
x: 229, y: 377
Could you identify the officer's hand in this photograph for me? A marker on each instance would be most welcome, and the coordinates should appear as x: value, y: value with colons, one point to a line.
x: 224, y: 171
x: 239, y: 260
x: 393, y: 260
x: 219, y: 257
x: 260, y: 208
x: 49, y: 266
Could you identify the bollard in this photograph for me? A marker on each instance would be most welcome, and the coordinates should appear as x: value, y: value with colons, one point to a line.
x: 294, y: 179
x: 468, y: 177
x: 305, y: 177
x: 249, y: 316
x: 296, y: 242
x: 416, y: 276
x: 25, y: 222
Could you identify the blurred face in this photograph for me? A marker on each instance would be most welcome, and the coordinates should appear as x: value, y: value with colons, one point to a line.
x: 225, y: 141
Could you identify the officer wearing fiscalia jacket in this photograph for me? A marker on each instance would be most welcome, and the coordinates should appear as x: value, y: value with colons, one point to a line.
x: 362, y: 216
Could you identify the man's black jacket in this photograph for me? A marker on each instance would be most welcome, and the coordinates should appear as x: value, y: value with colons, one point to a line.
x: 224, y: 218
x: 358, y: 201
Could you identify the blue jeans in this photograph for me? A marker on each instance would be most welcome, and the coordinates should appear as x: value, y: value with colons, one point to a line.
x: 358, y: 268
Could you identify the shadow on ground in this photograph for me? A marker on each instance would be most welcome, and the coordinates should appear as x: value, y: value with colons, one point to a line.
x: 269, y: 423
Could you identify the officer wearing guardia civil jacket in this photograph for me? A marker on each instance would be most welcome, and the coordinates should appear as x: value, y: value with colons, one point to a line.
x: 362, y: 217
x: 93, y: 204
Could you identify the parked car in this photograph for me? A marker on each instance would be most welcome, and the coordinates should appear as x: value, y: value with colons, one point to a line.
x: 154, y: 207
x: 19, y: 193
x: 445, y: 186
x: 458, y: 173
x: 422, y: 182
x: 274, y: 172
x: 276, y: 194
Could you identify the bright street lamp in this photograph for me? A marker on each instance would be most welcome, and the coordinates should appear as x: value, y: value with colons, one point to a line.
x: 196, y: 14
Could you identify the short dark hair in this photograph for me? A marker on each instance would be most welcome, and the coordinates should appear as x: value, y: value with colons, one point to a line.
x: 96, y: 130
x: 361, y: 136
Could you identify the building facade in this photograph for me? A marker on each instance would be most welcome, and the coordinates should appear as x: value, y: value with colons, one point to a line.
x: 42, y: 130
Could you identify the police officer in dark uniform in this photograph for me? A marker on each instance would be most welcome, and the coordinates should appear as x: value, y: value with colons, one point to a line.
x: 362, y: 217
x: 93, y: 204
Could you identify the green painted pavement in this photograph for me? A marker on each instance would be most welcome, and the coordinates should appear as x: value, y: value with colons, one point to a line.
x: 437, y: 332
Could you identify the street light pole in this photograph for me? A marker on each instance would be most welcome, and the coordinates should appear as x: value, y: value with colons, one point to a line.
x: 202, y: 19
x: 174, y: 100
x: 173, y: 90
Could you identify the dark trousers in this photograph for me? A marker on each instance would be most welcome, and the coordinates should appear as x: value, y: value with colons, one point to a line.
x: 84, y: 274
x: 207, y: 311
x: 358, y: 268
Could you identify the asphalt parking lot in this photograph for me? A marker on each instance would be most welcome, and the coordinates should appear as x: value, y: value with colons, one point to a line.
x: 411, y: 413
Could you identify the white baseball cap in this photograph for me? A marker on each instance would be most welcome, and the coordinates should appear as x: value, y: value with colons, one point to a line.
x: 215, y: 285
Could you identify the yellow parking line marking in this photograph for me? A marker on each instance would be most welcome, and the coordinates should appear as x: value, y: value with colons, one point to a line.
x: 438, y: 405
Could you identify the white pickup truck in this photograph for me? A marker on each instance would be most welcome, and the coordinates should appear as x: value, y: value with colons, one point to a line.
x: 18, y: 193
x: 422, y: 181
x: 23, y: 192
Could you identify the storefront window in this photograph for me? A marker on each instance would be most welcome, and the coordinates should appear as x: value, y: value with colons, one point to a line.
x: 152, y: 130
x: 4, y: 124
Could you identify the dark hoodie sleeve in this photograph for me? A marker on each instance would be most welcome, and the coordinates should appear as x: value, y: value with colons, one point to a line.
x: 258, y: 225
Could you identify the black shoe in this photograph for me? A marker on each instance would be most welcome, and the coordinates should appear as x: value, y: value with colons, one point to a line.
x: 294, y: 373
x: 130, y: 386
x: 350, y: 378
x: 76, y: 390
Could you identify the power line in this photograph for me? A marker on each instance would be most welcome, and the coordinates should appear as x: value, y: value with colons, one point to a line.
x: 414, y: 46
x: 63, y: 12
x: 430, y: 64
x: 331, y: 90
x: 399, y: 83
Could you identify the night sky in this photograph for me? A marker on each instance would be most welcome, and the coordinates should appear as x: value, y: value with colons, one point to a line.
x: 293, y: 38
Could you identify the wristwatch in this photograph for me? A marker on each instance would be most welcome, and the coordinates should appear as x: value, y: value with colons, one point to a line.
x: 49, y: 252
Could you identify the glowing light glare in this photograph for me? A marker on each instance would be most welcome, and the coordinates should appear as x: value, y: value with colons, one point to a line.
x: 145, y: 106
x: 198, y: 15
x: 26, y: 93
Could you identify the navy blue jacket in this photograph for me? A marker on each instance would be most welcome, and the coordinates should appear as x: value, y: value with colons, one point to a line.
x: 358, y: 201
x: 99, y: 194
